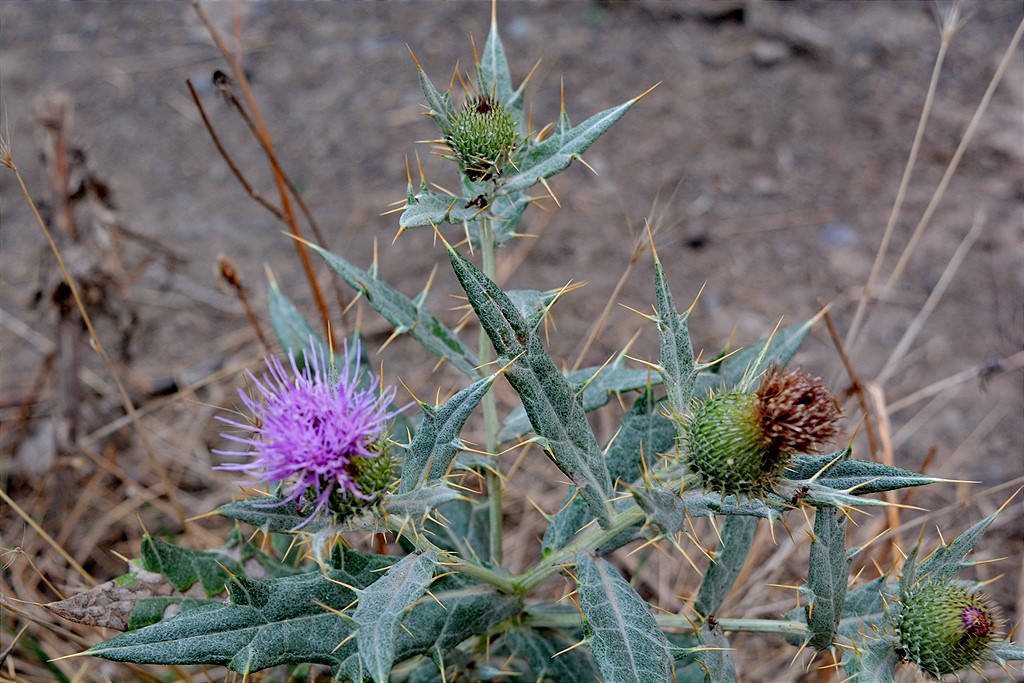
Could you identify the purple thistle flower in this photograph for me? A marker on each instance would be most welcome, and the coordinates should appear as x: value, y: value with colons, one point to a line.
x: 307, y: 427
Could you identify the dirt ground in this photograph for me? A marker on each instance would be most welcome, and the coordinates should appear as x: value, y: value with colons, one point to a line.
x: 767, y: 160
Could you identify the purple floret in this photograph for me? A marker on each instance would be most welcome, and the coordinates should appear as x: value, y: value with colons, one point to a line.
x: 306, y: 427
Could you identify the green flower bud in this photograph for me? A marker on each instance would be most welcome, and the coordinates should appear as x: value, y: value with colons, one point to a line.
x: 482, y: 137
x: 372, y: 477
x: 944, y: 627
x: 739, y: 443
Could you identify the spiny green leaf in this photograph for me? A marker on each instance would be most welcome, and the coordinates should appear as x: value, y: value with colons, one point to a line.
x: 428, y: 208
x: 716, y: 655
x: 948, y: 559
x: 865, y: 609
x: 495, y: 78
x: 875, y: 662
x: 463, y: 529
x: 544, y: 159
x: 418, y: 501
x: 555, y: 409
x: 270, y: 514
x: 827, y: 575
x: 382, y: 606
x: 1004, y: 651
x: 626, y: 641
x: 846, y: 473
x: 644, y: 432
x: 784, y: 344
x: 184, y: 566
x: 406, y: 315
x: 727, y: 563
x: 292, y: 329
x: 677, y: 365
x: 670, y: 511
x: 441, y: 109
x: 437, y: 440
x: 532, y: 654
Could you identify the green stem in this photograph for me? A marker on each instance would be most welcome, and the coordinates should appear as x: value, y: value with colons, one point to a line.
x: 487, y: 249
x: 548, y: 616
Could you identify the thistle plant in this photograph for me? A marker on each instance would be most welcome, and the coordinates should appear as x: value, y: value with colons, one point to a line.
x: 740, y: 440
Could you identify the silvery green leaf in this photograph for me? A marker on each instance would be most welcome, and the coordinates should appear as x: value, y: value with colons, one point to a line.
x: 382, y: 606
x: 644, y: 432
x: 827, y: 576
x: 553, y: 155
x: 677, y: 365
x: 716, y: 655
x: 859, y: 477
x: 784, y: 344
x: 441, y: 109
x: 670, y: 511
x: 408, y: 316
x: 948, y: 559
x: 1004, y: 651
x: 554, y: 407
x: 437, y: 441
x: 270, y: 514
x: 495, y: 78
x: 532, y: 654
x: 626, y: 641
x: 865, y: 609
x: 875, y: 662
x: 600, y: 385
x: 461, y: 527
x: 292, y: 329
x: 430, y: 207
x: 416, y: 502
x: 727, y: 563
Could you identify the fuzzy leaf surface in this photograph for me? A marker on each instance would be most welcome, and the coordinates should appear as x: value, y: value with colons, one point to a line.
x: 463, y: 528
x: 554, y: 407
x: 553, y: 155
x: 644, y: 432
x: 784, y: 344
x: 270, y: 514
x: 292, y: 329
x: 827, y: 576
x: 1005, y: 651
x: 531, y: 653
x: 716, y: 655
x: 494, y: 76
x: 184, y: 566
x: 862, y: 476
x: 876, y: 662
x: 406, y: 315
x: 947, y: 560
x: 382, y: 606
x: 677, y: 365
x: 441, y: 109
x: 626, y: 641
x: 729, y: 559
x: 437, y: 440
x: 418, y: 501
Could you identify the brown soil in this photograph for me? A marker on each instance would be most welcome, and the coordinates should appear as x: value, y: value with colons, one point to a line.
x: 767, y: 161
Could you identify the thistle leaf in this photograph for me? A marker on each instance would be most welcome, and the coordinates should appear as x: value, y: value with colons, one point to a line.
x: 846, y: 473
x: 677, y: 365
x: 644, y: 432
x: 418, y: 501
x: 532, y: 654
x: 626, y: 641
x: 406, y: 315
x: 270, y: 514
x: 876, y: 662
x: 555, y: 409
x: 437, y: 441
x: 727, y: 563
x: 441, y: 109
x: 541, y: 160
x: 827, y: 576
x: 429, y: 208
x: 1004, y: 651
x: 463, y: 528
x: 783, y: 345
x: 948, y: 559
x: 495, y: 78
x: 716, y: 655
x: 184, y: 566
x: 292, y: 329
x: 382, y: 606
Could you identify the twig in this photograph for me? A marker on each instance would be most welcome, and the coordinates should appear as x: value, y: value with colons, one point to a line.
x: 268, y: 149
x: 250, y: 190
x: 228, y: 271
x: 855, y: 384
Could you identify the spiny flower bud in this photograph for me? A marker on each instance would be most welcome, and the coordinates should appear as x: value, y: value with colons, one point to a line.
x: 739, y: 443
x: 372, y: 476
x: 482, y: 137
x: 944, y: 627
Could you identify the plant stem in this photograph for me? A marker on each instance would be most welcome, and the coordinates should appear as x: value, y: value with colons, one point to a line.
x: 544, y: 616
x: 487, y: 249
